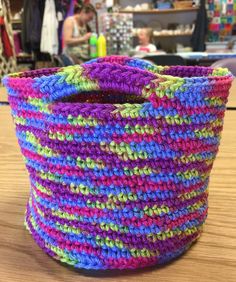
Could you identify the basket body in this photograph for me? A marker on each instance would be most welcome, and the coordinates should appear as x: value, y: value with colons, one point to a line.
x: 118, y: 185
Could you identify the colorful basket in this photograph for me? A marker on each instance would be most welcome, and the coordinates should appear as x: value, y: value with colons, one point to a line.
x: 119, y: 153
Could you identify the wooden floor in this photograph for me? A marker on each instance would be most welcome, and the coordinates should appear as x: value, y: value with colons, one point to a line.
x: 212, y: 258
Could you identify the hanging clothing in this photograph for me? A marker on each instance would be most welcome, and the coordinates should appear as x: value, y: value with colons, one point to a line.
x: 7, y: 54
x: 81, y: 50
x: 60, y: 16
x: 6, y: 43
x: 71, y: 7
x: 17, y: 42
x: 32, y: 24
x: 65, y: 5
x: 49, y: 36
x: 200, y: 30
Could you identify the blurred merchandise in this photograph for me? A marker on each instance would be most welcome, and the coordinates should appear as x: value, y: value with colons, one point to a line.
x: 196, y: 3
x: 93, y: 45
x: 155, y: 25
x: 163, y: 4
x: 183, y: 4
x: 17, y: 42
x: 181, y: 48
x: 139, y: 7
x: 102, y: 46
x: 18, y: 15
x: 128, y: 8
x: 173, y: 29
x: 117, y: 28
x: 221, y: 46
x: 23, y: 67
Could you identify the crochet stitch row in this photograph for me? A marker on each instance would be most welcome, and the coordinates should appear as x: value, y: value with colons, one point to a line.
x: 119, y: 153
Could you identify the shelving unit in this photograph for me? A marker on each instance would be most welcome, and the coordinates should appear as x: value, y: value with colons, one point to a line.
x: 18, y: 21
x: 156, y: 11
x: 25, y: 59
x: 22, y: 58
x: 172, y: 35
x: 159, y: 19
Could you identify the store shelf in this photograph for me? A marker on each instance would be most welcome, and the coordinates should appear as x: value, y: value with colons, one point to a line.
x: 18, y: 21
x: 24, y: 58
x: 156, y: 11
x: 174, y: 35
x: 171, y: 35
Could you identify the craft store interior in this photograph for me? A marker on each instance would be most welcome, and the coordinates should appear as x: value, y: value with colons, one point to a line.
x: 46, y: 33
x: 42, y: 34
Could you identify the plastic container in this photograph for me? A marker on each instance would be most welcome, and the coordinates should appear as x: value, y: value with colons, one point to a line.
x: 102, y: 46
x: 183, y: 4
x: 93, y: 46
x: 119, y: 154
x: 163, y: 5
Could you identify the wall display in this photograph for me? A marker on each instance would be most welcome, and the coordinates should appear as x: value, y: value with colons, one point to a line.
x: 222, y: 18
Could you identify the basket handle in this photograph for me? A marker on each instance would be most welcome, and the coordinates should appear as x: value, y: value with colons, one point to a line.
x: 99, y: 75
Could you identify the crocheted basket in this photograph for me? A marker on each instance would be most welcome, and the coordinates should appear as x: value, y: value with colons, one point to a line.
x: 119, y: 153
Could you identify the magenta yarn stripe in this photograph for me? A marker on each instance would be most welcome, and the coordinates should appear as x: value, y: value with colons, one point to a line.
x: 62, y: 148
x: 65, y: 170
x: 146, y: 221
x: 174, y: 205
x: 80, y: 175
x: 109, y: 158
x: 161, y: 122
x: 141, y: 240
x: 201, y: 168
x: 170, y: 244
x: 83, y: 212
x: 132, y: 182
x: 27, y: 113
x: 187, y: 145
x: 171, y: 189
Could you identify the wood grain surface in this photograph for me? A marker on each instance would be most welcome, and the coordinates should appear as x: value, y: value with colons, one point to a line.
x: 232, y: 97
x: 212, y: 258
x: 3, y: 95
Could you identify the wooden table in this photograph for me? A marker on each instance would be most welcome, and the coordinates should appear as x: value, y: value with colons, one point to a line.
x: 212, y: 258
x: 3, y: 94
x: 232, y: 96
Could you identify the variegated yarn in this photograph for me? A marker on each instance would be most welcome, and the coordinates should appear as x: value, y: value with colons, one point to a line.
x: 119, y: 153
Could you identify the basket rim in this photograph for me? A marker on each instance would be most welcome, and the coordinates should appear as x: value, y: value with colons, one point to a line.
x: 116, y: 73
x: 217, y: 73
